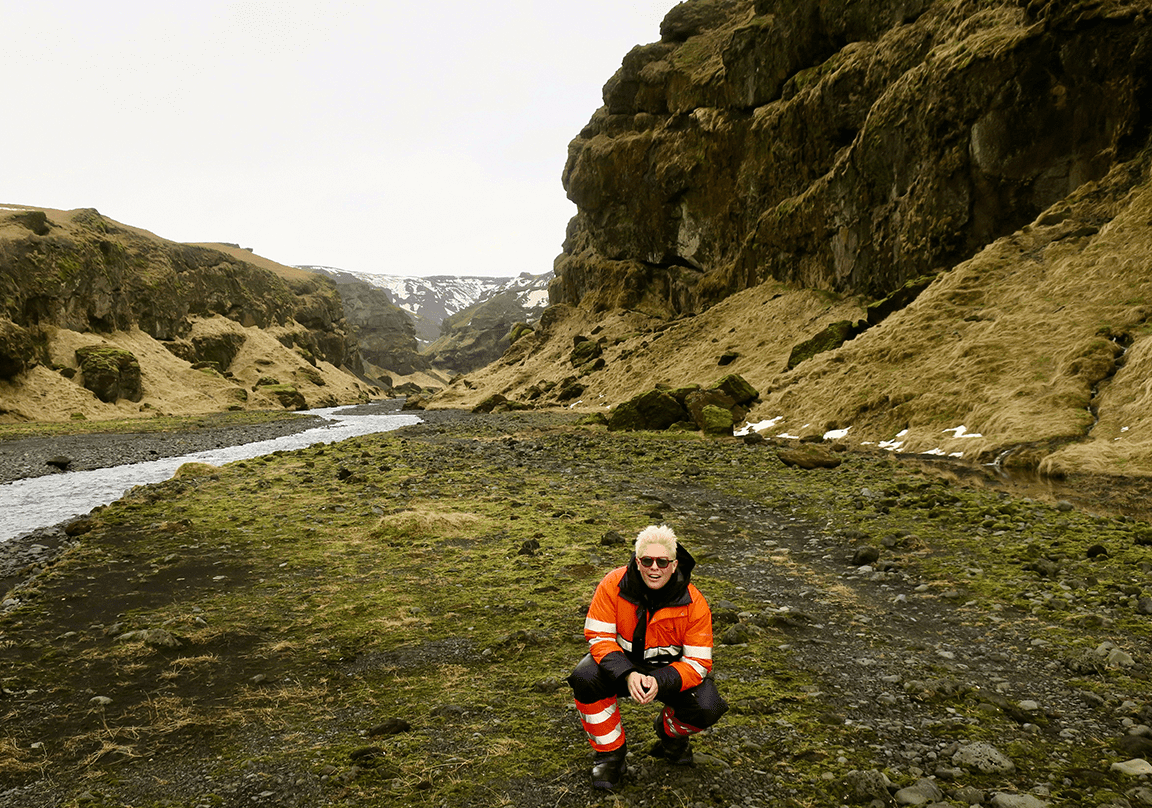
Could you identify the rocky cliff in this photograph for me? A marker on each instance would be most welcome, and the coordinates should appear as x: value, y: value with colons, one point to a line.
x: 385, y: 334
x: 920, y: 223
x: 843, y: 146
x: 98, y: 318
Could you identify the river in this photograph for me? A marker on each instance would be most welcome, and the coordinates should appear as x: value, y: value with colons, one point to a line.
x: 39, y: 502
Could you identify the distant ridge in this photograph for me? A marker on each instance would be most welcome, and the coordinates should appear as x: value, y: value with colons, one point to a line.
x: 434, y: 298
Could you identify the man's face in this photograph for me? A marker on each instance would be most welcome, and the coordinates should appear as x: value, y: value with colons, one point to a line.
x: 649, y: 560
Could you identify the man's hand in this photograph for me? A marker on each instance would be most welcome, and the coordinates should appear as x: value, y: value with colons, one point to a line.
x: 641, y: 688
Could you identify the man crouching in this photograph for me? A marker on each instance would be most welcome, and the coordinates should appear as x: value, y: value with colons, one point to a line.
x: 650, y: 635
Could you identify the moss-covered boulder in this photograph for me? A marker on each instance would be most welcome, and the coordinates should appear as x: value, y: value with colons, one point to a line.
x: 490, y: 403
x: 832, y: 337
x: 585, y: 354
x: 696, y: 401
x: 716, y: 420
x: 110, y: 373
x: 654, y: 410
x: 737, y: 388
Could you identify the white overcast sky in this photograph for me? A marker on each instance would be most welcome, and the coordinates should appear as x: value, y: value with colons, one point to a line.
x: 406, y: 138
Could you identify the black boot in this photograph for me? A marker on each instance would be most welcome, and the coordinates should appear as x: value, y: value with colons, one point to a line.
x: 677, y: 751
x: 609, y: 768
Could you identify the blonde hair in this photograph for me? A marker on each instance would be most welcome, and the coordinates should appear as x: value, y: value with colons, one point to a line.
x: 661, y: 535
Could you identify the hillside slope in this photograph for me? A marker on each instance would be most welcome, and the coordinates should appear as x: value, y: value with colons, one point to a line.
x: 768, y: 170
x: 102, y: 320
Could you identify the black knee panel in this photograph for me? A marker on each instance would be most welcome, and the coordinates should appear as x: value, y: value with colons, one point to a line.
x: 590, y: 682
x: 701, y: 706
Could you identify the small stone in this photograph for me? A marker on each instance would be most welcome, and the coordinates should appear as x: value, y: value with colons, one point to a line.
x: 391, y: 726
x: 1003, y: 800
x: 863, y: 786
x: 925, y: 791
x: 984, y: 758
x: 1133, y: 768
x: 1120, y: 659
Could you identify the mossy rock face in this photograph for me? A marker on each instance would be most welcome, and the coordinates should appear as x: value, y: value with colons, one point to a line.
x: 585, y: 353
x: 829, y: 339
x: 654, y: 410
x: 309, y: 375
x: 110, y: 373
x: 34, y: 220
x: 519, y: 330
x: 219, y: 349
x: 289, y: 397
x: 16, y: 346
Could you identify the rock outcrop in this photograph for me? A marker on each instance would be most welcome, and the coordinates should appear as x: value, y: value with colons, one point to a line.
x: 843, y: 146
x: 110, y: 373
x: 385, y: 333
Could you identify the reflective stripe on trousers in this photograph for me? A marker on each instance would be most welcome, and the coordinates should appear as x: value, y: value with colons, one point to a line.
x: 601, y: 721
x: 673, y: 728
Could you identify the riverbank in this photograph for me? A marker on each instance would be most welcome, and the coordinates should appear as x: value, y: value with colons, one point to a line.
x: 388, y: 620
x: 96, y: 446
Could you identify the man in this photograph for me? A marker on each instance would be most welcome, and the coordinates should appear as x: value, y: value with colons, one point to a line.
x: 650, y: 635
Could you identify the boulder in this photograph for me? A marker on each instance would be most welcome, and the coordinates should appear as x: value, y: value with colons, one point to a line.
x: 490, y: 403
x: 289, y: 397
x: 716, y: 420
x: 110, y: 373
x: 830, y: 338
x: 585, y: 353
x: 808, y: 456
x: 654, y: 410
x: 696, y: 401
x: 737, y: 388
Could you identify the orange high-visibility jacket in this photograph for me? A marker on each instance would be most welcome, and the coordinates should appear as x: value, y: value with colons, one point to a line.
x: 679, y: 627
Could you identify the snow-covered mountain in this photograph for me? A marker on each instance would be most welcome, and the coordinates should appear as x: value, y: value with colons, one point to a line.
x: 432, y: 299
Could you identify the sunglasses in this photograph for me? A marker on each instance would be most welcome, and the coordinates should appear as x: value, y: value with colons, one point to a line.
x: 648, y: 561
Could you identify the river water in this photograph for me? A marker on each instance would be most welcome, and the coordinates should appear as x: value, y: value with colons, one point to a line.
x: 40, y: 502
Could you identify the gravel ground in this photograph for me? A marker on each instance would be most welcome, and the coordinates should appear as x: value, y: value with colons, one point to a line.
x: 890, y: 655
